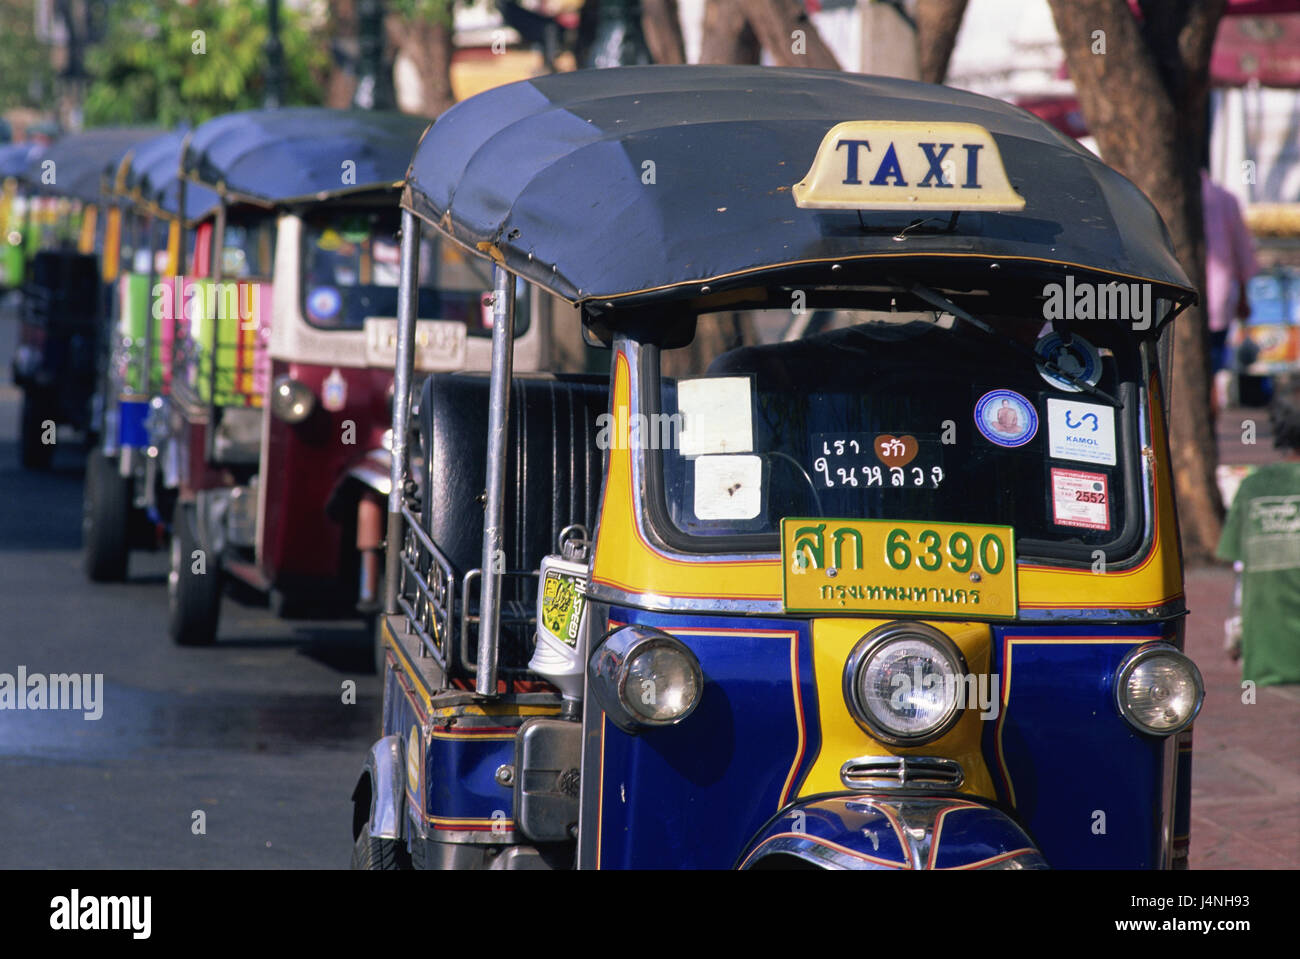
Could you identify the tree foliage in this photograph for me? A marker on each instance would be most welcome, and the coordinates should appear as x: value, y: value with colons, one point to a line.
x: 166, y: 62
x: 26, y: 78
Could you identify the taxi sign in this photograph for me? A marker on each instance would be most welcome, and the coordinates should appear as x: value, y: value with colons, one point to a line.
x: 876, y: 165
x: 897, y: 567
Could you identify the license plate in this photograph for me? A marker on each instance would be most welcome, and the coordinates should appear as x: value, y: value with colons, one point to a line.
x: 896, y: 567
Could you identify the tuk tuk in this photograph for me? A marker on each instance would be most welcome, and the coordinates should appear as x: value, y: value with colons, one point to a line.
x: 900, y: 592
x: 285, y: 487
x: 14, y: 160
x: 63, y: 298
x: 126, y: 502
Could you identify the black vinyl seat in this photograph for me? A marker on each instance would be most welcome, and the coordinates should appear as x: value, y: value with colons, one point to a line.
x: 553, y: 477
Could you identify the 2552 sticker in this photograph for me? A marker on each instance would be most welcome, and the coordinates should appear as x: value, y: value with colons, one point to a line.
x: 1080, y: 499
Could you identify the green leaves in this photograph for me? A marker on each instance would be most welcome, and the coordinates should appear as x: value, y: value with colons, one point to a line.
x: 166, y: 62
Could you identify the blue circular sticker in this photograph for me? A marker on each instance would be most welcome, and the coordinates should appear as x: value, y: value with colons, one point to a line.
x: 1080, y: 359
x: 323, y: 303
x: 1006, y: 418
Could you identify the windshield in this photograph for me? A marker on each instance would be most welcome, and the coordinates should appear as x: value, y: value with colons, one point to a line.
x: 919, y: 418
x: 351, y: 266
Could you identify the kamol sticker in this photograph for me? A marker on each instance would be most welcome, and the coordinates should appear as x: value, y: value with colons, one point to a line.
x: 1080, y: 499
x: 1006, y: 418
x: 1080, y: 431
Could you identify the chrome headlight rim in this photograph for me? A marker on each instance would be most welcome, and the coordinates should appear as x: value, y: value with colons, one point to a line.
x: 1135, y: 659
x: 296, y: 391
x: 611, y: 664
x: 868, y: 647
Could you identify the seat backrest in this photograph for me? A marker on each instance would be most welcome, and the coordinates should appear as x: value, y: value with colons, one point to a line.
x: 553, y: 466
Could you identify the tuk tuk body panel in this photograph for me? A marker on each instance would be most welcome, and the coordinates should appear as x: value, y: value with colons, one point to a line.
x: 302, y: 463
x: 454, y: 749
x: 693, y: 795
x: 843, y: 739
x: 1089, y: 788
x: 629, y: 565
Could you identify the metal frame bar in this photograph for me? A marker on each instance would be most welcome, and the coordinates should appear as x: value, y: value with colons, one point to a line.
x: 503, y: 347
x: 218, y: 250
x: 403, y: 371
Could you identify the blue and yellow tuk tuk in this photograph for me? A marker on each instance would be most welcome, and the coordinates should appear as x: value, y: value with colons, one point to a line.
x: 898, y: 590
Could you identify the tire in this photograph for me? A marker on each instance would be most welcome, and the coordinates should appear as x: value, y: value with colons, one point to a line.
x: 369, y: 853
x: 33, y: 454
x: 193, y: 599
x: 105, y: 520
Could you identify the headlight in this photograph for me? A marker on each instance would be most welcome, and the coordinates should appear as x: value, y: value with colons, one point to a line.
x: 904, y: 683
x: 291, y: 401
x: 1159, y: 690
x: 644, y: 677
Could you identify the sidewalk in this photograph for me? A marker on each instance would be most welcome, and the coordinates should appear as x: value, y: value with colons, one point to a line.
x: 1245, y: 757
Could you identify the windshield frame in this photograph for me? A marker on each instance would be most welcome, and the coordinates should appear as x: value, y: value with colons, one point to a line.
x: 308, y: 229
x: 1130, y: 543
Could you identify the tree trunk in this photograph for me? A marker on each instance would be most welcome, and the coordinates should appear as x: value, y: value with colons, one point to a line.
x: 937, y: 25
x: 1144, y: 98
x: 428, y: 43
x: 663, y: 31
x: 341, y: 84
x: 727, y: 35
x: 787, y: 34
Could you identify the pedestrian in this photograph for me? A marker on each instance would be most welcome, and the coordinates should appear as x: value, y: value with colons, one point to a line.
x: 1262, y: 535
x: 1229, y: 265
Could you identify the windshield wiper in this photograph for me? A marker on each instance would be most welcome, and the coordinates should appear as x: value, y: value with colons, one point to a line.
x: 937, y: 299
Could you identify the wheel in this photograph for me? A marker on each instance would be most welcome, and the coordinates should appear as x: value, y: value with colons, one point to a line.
x: 34, y: 454
x: 193, y: 597
x: 371, y: 853
x: 105, y: 520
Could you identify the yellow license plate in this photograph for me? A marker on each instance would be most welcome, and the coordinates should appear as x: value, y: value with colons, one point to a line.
x: 896, y: 567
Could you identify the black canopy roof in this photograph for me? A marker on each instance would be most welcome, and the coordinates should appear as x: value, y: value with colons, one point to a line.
x: 550, y: 176
x: 298, y: 153
x: 151, y: 176
x: 15, y: 157
x: 80, y: 160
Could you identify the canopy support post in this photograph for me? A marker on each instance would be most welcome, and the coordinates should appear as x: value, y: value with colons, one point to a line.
x: 403, y: 370
x: 503, y: 347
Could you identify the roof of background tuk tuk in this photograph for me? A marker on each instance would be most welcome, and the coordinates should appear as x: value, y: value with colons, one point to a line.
x: 152, y: 177
x: 80, y: 160
x: 547, y: 174
x: 15, y: 157
x: 301, y: 153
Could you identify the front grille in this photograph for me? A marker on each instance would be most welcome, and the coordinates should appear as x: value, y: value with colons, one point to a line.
x: 902, y: 772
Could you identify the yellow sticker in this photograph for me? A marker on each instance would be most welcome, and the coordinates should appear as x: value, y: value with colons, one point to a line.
x: 875, y: 165
x: 561, y: 606
x: 897, y: 567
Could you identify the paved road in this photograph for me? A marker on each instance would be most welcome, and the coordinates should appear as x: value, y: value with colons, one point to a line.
x: 252, y: 732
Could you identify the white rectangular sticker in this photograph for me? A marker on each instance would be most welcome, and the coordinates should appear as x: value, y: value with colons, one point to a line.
x: 1081, y: 431
x: 717, y: 415
x: 1080, y: 499
x: 728, y: 487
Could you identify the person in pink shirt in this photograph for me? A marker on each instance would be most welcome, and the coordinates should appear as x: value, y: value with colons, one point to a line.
x: 1229, y: 265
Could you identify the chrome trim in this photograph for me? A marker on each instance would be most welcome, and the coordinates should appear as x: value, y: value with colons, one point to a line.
x: 902, y: 773
x: 608, y: 669
x: 503, y: 344
x: 872, y: 643
x: 1131, y: 662
x: 670, y: 604
x: 386, y: 767
x: 810, y: 850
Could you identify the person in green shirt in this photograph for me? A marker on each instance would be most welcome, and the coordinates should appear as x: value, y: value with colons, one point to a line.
x: 1262, y: 535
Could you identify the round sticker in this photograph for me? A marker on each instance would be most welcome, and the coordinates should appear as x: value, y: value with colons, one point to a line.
x: 323, y: 303
x: 1006, y: 418
x: 1080, y: 359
